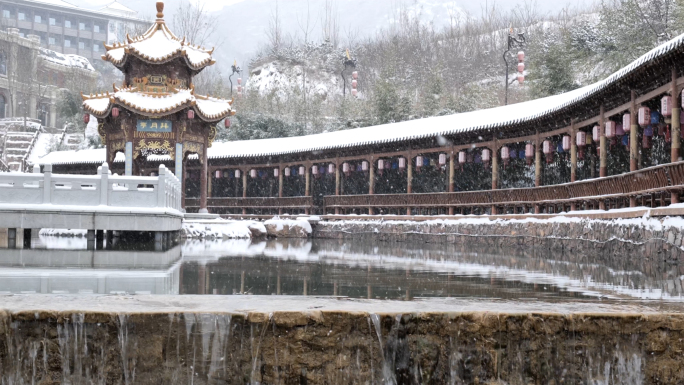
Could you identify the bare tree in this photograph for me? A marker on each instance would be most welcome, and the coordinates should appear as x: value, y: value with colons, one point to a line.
x: 274, y: 32
x: 330, y: 23
x: 194, y: 22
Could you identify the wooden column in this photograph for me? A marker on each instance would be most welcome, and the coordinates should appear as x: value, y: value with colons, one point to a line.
x: 634, y: 136
x: 183, y: 178
x: 537, y: 161
x: 676, y: 121
x: 452, y: 175
x: 537, y: 168
x: 573, y: 152
x: 603, y: 167
x: 203, y: 184
x: 409, y: 178
x: 280, y: 186
x: 338, y: 177
x: 244, y: 189
x: 307, y: 186
x: 495, y: 170
x: 371, y: 181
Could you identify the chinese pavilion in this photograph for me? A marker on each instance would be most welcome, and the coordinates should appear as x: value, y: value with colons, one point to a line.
x: 156, y: 111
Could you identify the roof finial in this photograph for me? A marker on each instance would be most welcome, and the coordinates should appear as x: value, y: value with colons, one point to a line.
x: 160, y: 9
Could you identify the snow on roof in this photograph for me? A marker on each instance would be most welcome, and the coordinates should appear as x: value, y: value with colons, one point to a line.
x: 74, y: 61
x: 159, y: 45
x: 159, y: 104
x: 78, y: 157
x: 116, y: 6
x: 58, y: 3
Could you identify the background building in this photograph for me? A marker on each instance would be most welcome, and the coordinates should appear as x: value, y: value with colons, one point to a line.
x: 68, y: 29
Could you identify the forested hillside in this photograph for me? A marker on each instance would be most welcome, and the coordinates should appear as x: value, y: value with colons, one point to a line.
x: 414, y: 70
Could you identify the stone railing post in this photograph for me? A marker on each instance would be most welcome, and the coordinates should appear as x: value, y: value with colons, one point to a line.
x: 103, y: 172
x: 161, y: 187
x: 47, y: 184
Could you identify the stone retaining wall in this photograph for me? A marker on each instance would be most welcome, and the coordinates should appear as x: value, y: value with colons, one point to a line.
x: 340, y: 348
x: 652, y: 238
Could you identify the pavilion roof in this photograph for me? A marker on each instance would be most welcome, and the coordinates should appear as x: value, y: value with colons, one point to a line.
x: 159, y: 45
x: 158, y: 104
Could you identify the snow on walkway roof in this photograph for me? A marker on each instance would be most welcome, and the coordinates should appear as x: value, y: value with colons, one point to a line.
x: 66, y: 60
x: 417, y: 129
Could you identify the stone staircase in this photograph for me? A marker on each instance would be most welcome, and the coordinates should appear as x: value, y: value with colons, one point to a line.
x: 18, y: 141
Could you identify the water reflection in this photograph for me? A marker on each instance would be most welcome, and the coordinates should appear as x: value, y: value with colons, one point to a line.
x: 334, y: 268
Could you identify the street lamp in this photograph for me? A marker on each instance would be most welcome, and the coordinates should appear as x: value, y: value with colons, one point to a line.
x: 514, y: 43
x: 349, y: 62
x: 236, y: 70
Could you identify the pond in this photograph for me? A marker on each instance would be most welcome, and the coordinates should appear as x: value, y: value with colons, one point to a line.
x: 371, y: 270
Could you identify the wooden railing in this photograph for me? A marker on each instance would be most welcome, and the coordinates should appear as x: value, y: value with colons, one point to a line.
x: 614, y: 191
x: 654, y: 186
x: 228, y: 205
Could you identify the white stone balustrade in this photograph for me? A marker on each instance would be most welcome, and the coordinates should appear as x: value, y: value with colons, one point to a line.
x: 103, y: 189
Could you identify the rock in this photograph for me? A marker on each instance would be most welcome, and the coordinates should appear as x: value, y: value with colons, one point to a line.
x: 258, y: 230
x: 279, y: 228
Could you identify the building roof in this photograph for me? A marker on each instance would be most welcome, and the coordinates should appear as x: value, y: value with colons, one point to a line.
x: 159, y: 104
x: 117, y: 8
x: 159, y: 45
x: 58, y: 3
x: 494, y: 118
x: 73, y: 61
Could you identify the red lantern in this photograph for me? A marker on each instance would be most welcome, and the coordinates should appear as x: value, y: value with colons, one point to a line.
x: 627, y: 122
x: 666, y: 106
x: 239, y: 89
x: 566, y: 143
x: 486, y: 156
x: 521, y: 67
x: 355, y: 75
x: 610, y: 129
x: 581, y: 143
x: 596, y: 134
x: 302, y: 170
x: 521, y: 56
x: 237, y: 174
x: 115, y: 112
x: 191, y: 114
x: 521, y: 79
x: 86, y: 118
x: 354, y: 84
x: 239, y: 81
x: 226, y: 123
x: 314, y: 170
x: 346, y: 169
x: 364, y: 166
x: 253, y: 173
x: 505, y: 155
x: 442, y: 159
x: 461, y: 157
x: 419, y: 162
x: 402, y: 163
x: 218, y: 174
x: 276, y: 172
x: 547, y: 148
x: 644, y: 116
x: 355, y: 93
x: 288, y: 172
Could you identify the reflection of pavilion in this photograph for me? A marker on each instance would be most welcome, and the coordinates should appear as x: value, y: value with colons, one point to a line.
x: 90, y: 272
